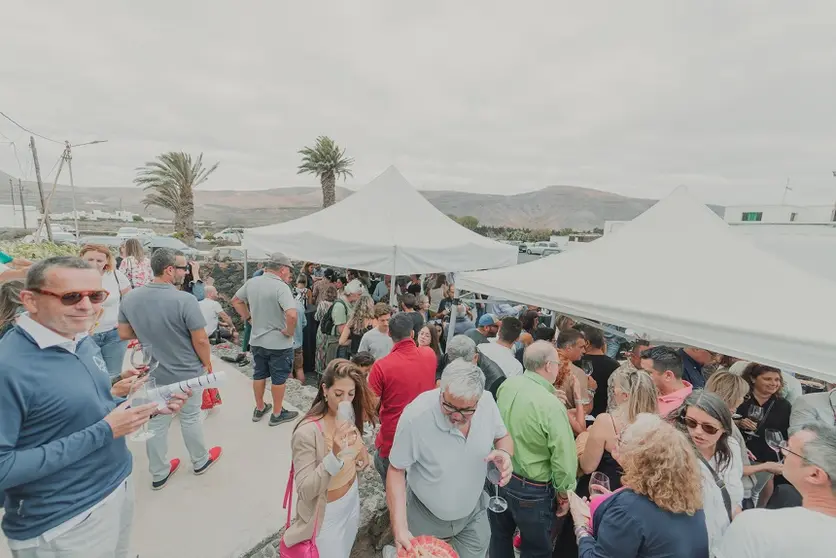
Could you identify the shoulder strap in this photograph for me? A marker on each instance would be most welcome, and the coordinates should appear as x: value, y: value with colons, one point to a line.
x: 721, y: 484
x: 288, y: 493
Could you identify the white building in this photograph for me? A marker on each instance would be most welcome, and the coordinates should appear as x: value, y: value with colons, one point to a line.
x: 11, y: 216
x: 781, y: 215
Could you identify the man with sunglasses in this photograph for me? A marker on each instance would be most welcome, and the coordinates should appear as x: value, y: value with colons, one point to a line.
x: 170, y: 321
x: 809, y: 530
x: 64, y: 465
x: 438, y: 463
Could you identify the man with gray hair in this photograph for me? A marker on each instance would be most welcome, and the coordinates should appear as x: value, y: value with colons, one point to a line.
x: 65, y: 470
x: 339, y: 314
x: 545, y: 459
x: 808, y: 531
x: 464, y: 348
x: 268, y: 304
x: 438, y: 463
x: 170, y: 322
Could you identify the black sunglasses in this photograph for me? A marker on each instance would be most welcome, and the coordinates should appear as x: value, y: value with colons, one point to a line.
x: 692, y: 424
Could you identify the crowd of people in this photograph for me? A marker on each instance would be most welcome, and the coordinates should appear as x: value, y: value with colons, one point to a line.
x: 521, y: 434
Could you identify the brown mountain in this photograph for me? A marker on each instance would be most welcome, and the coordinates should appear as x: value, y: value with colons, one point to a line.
x: 554, y: 207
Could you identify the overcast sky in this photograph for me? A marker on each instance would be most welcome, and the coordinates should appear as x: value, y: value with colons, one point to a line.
x: 729, y: 98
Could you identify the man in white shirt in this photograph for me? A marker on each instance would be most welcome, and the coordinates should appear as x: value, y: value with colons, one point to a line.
x: 808, y: 531
x: 216, y: 319
x: 501, y: 351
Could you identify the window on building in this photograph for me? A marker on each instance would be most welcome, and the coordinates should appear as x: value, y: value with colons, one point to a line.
x: 752, y: 216
x: 793, y: 215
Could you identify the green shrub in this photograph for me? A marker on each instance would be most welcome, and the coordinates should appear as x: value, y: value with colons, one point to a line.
x: 38, y: 251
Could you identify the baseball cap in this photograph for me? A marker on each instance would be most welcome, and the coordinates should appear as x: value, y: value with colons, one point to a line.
x: 487, y: 320
x: 277, y: 260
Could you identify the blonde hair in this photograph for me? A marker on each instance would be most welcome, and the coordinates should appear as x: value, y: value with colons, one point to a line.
x: 363, y: 313
x: 110, y: 264
x: 659, y: 462
x: 641, y: 391
x: 134, y: 249
x: 9, y: 300
x: 729, y: 387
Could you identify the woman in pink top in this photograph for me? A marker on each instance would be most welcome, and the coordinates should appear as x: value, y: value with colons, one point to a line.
x: 136, y: 265
x: 665, y: 367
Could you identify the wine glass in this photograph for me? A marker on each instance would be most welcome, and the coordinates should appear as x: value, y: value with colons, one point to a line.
x: 496, y: 503
x: 140, y: 394
x: 775, y: 440
x: 588, y: 369
x: 599, y: 484
x: 755, y: 414
x: 141, y: 357
x: 345, y: 413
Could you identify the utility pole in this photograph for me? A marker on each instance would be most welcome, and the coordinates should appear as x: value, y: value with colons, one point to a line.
x: 40, y: 188
x: 12, y: 188
x: 22, y: 206
x: 68, y: 155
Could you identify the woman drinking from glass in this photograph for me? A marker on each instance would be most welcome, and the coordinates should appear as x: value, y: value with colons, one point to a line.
x: 104, y: 331
x: 327, y: 452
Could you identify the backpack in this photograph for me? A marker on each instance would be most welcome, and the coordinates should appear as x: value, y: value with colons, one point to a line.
x: 326, y: 326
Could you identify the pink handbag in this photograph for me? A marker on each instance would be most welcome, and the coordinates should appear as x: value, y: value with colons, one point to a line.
x: 303, y: 549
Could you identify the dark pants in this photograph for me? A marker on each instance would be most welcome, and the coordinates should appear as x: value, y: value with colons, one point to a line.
x: 309, y: 344
x: 382, y: 466
x: 531, y: 508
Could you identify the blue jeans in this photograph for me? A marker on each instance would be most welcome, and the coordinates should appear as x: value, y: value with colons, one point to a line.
x: 531, y: 508
x: 613, y: 341
x: 113, y: 350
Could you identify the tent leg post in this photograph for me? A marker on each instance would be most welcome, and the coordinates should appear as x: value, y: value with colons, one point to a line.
x: 451, y: 327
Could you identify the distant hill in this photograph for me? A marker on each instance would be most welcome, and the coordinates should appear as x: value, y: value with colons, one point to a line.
x: 554, y: 207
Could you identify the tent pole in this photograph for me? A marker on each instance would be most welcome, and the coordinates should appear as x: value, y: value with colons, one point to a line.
x: 451, y: 327
x: 393, y: 299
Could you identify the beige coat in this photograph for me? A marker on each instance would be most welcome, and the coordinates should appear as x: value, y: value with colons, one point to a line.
x: 310, y: 484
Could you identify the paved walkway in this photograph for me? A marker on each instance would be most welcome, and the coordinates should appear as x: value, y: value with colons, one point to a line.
x: 230, y: 509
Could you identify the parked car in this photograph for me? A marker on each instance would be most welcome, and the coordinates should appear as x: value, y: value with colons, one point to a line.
x: 539, y: 248
x: 231, y: 234
x: 128, y: 232
x: 153, y: 243
x: 523, y: 248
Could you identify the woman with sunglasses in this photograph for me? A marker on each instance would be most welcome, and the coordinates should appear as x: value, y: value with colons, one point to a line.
x: 328, y: 505
x: 658, y: 512
x: 104, y: 331
x: 707, y: 420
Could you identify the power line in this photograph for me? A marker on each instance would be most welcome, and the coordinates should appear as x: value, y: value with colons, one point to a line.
x: 10, y: 119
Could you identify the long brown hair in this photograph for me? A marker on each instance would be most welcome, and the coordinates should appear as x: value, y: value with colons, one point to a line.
x: 9, y: 301
x: 338, y: 369
x: 133, y: 248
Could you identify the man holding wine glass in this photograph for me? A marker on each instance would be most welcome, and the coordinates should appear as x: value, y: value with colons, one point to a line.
x: 64, y: 465
x: 444, y: 441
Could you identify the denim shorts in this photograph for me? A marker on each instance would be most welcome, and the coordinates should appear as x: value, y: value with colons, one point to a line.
x: 275, y: 364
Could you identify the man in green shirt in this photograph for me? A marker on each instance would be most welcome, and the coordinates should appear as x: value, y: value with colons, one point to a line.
x: 545, y: 460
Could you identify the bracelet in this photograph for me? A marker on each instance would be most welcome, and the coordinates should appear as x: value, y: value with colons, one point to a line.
x: 581, y: 531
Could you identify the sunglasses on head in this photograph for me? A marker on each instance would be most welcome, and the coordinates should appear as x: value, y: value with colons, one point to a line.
x: 692, y: 424
x: 73, y: 298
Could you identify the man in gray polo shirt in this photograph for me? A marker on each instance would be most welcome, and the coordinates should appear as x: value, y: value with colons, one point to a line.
x: 170, y: 321
x: 444, y: 440
x: 268, y: 303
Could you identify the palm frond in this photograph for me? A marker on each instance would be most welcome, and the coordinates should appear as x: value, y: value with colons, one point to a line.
x: 325, y: 157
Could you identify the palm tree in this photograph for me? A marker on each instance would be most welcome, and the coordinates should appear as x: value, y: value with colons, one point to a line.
x: 169, y: 183
x: 326, y: 160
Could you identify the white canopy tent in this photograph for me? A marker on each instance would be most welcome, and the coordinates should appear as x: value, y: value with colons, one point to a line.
x: 387, y: 227
x: 677, y: 272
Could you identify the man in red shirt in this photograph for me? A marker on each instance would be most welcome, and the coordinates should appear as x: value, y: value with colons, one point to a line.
x: 397, y: 379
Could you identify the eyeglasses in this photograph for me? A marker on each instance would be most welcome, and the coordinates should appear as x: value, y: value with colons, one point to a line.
x: 182, y: 267
x: 692, y: 424
x: 465, y: 412
x: 73, y: 298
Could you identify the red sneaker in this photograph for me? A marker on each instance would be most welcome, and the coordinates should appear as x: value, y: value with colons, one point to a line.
x: 214, y: 455
x: 174, y: 464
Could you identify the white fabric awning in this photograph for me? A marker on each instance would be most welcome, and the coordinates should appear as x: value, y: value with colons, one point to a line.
x: 387, y: 227
x: 678, y: 272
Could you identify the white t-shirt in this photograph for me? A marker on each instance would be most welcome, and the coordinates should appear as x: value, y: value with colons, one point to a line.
x: 503, y: 357
x: 210, y: 310
x: 783, y: 533
x: 716, y: 516
x: 110, y: 309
